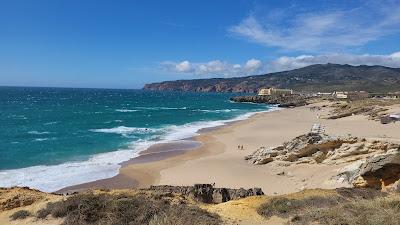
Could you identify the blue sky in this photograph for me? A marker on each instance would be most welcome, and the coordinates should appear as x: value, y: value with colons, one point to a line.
x: 125, y: 44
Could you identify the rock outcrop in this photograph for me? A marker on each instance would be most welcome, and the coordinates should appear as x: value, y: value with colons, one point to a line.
x: 381, y: 171
x: 281, y: 101
x: 321, y: 148
x: 207, y: 193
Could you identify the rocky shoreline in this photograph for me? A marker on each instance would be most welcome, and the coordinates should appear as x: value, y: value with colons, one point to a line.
x: 281, y: 101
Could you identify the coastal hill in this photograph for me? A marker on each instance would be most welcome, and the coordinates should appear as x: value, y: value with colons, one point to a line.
x: 318, y: 77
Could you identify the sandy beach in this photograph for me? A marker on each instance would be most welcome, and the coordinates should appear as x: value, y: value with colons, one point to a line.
x: 218, y: 160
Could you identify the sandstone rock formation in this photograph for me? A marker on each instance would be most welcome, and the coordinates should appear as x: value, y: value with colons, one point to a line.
x: 321, y: 148
x: 207, y: 193
x: 381, y: 171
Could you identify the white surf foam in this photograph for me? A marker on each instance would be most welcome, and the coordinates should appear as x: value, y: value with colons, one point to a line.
x: 104, y: 165
x: 37, y: 132
x: 126, y: 110
x: 217, y: 110
x: 45, y: 139
x: 55, y: 177
x: 162, y: 108
x: 125, y: 131
x: 50, y: 123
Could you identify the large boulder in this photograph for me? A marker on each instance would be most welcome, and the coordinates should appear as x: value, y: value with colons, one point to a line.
x: 379, y: 171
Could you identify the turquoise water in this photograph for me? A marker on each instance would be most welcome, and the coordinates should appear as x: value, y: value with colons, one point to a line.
x: 54, y: 137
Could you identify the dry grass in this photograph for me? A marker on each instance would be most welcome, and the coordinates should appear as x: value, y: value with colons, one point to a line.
x: 284, y: 207
x: 344, y: 207
x: 99, y: 209
x: 382, y: 211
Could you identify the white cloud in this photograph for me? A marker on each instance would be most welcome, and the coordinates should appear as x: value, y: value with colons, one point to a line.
x: 323, y: 31
x: 184, y: 66
x: 289, y: 63
x: 253, y: 65
x: 215, y: 68
x: 218, y: 68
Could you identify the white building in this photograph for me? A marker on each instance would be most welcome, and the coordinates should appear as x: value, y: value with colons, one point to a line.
x: 275, y: 92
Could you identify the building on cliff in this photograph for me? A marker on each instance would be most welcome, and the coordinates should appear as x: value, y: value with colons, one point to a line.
x: 274, y: 92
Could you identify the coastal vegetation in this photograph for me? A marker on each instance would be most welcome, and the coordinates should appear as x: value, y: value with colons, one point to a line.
x: 21, y: 214
x: 129, y: 207
x: 359, y: 206
x: 343, y: 206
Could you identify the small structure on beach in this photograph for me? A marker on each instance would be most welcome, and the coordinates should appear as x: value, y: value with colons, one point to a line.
x: 274, y: 92
x: 340, y: 95
x: 317, y: 129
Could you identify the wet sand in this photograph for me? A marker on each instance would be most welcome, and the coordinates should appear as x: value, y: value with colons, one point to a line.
x: 154, y: 153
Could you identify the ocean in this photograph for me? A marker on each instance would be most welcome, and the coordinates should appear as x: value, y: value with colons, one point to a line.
x: 51, y: 138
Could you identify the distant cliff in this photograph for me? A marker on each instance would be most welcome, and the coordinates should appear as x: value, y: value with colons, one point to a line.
x: 326, y: 77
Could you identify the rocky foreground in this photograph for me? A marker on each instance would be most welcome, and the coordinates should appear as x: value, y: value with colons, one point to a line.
x: 167, y: 205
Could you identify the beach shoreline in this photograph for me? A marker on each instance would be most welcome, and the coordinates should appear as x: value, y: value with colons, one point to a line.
x: 218, y: 160
x: 170, y: 152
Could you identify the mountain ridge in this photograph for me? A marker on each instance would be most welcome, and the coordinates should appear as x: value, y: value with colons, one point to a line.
x: 317, y: 77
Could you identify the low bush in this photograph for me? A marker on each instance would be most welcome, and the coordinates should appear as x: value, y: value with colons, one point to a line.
x: 21, y: 214
x: 89, y: 208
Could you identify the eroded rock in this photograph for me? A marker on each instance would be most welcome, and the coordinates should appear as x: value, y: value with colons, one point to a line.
x: 207, y: 193
x: 317, y: 148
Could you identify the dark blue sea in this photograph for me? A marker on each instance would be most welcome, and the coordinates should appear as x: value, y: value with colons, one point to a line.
x: 51, y: 138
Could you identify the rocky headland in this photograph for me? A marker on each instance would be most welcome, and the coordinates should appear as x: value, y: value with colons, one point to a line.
x: 314, y: 78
